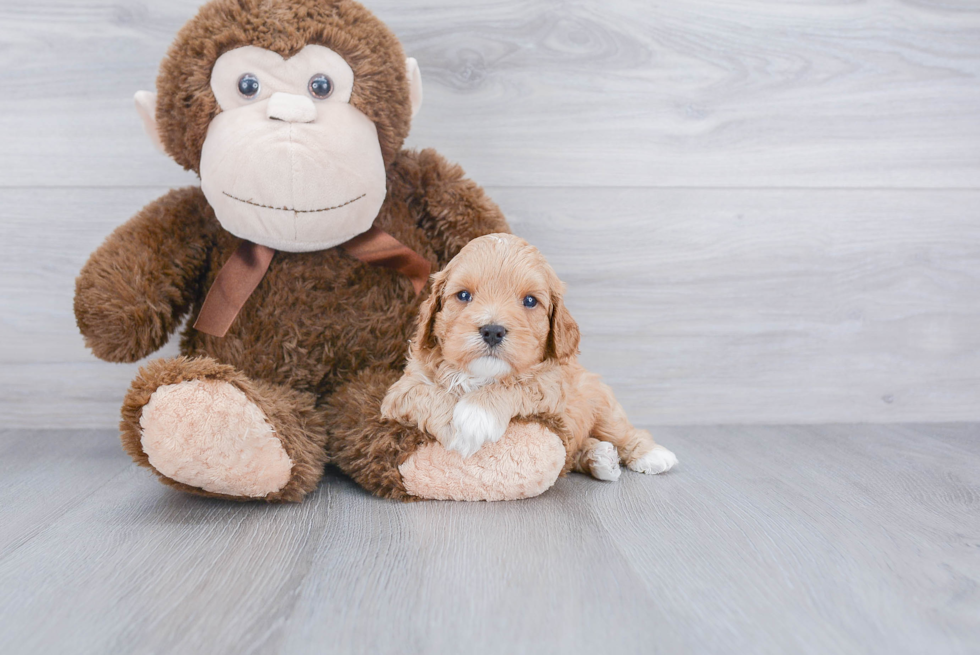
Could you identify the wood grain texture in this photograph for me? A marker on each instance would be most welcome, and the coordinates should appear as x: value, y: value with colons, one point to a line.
x: 562, y: 93
x: 698, y: 306
x: 832, y: 539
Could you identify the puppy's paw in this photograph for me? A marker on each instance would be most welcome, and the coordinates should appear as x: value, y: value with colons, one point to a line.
x: 388, y: 408
x: 473, y: 427
x: 604, y: 462
x: 393, y: 408
x: 656, y: 461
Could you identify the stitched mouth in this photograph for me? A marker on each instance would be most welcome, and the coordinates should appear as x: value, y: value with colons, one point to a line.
x: 289, y: 209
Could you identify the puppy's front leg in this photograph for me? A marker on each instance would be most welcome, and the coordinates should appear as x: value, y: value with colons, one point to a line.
x: 481, y: 416
x: 401, y: 403
x: 415, y: 401
x: 541, y: 392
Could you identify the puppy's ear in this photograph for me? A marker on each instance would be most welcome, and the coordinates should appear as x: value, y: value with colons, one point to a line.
x: 425, y: 338
x: 563, y: 339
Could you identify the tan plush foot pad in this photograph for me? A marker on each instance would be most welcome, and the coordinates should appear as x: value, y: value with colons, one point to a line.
x: 524, y: 463
x: 207, y: 434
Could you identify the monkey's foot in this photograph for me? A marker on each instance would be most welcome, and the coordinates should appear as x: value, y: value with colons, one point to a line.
x: 524, y: 463
x: 207, y: 434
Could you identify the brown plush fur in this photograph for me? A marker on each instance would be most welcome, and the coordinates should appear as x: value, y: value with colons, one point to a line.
x: 366, y: 447
x: 320, y: 323
x: 323, y: 335
x: 124, y: 317
x: 186, y: 104
x: 292, y: 414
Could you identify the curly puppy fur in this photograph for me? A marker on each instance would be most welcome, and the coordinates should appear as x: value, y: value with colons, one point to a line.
x: 494, y: 342
x: 323, y: 335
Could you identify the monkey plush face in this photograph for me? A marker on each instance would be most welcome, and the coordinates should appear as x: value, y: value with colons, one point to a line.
x: 290, y: 130
x: 289, y: 163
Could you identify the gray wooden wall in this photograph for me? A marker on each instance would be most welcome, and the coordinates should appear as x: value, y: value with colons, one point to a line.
x: 766, y: 211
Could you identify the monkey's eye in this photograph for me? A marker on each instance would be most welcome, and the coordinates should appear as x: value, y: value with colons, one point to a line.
x: 320, y: 86
x: 464, y: 296
x: 248, y: 85
x: 530, y: 302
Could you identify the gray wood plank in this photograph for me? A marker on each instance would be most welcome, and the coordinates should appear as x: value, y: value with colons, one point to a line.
x: 72, y: 465
x: 813, y: 548
x: 698, y: 306
x: 844, y: 539
x: 619, y: 93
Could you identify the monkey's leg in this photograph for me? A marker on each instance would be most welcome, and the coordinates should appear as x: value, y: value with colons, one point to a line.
x: 206, y: 428
x: 395, y: 461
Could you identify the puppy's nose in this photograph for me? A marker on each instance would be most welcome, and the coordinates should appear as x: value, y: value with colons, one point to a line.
x: 493, y: 334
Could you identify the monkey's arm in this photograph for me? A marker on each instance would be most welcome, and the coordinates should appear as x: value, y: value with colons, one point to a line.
x: 454, y: 209
x: 136, y: 287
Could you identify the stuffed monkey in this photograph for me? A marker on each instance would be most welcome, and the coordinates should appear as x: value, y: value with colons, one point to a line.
x: 301, y: 261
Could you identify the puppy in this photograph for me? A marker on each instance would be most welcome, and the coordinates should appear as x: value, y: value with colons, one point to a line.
x: 495, y: 342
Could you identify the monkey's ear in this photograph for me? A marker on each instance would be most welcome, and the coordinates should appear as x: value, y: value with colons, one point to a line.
x: 146, y: 107
x: 425, y: 338
x: 414, y: 84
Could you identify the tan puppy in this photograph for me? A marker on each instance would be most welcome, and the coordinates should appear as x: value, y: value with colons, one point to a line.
x: 495, y: 342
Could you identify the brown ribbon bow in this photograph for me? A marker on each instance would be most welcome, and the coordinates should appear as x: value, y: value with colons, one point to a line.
x: 243, y: 272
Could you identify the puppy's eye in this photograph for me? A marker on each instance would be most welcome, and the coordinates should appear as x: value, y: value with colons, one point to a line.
x: 248, y: 85
x: 530, y: 302
x: 464, y: 296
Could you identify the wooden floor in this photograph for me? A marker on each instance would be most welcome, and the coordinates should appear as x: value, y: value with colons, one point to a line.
x: 832, y: 539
